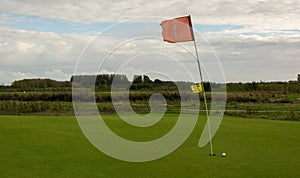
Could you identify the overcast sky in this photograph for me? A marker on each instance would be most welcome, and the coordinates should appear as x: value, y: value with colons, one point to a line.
x: 252, y: 40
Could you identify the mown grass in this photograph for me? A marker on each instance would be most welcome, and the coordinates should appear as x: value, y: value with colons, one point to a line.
x: 54, y: 146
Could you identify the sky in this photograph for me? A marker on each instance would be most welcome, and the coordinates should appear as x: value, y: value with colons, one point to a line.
x: 237, y: 41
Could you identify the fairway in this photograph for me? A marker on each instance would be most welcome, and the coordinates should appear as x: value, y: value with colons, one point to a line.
x: 54, y: 146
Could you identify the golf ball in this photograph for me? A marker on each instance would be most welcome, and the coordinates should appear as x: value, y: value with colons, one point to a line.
x: 223, y: 154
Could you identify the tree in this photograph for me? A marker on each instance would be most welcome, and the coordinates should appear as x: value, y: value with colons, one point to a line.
x: 252, y: 86
x: 147, y: 79
x: 298, y: 79
x: 137, y: 79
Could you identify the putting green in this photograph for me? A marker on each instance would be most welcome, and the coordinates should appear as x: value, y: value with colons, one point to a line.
x: 54, y: 146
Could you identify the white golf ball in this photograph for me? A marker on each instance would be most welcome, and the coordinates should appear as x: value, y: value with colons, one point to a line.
x: 223, y: 154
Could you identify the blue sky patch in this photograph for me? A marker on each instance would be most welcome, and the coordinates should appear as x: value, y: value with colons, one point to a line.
x: 35, y: 23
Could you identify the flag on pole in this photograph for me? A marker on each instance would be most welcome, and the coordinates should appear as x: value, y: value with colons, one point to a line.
x: 180, y: 30
x: 177, y: 30
x: 198, y: 88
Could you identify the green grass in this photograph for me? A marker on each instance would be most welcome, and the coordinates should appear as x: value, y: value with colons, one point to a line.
x: 264, y: 106
x: 54, y: 146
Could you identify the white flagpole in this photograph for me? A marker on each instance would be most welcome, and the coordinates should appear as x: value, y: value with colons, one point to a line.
x: 204, y: 96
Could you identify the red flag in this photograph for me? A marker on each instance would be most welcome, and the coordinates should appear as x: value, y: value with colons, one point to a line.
x: 177, y: 30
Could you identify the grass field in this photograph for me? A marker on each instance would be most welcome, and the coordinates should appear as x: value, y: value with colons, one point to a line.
x: 54, y: 146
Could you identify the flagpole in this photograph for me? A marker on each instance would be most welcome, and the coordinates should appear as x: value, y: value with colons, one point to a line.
x: 173, y: 39
x: 204, y: 96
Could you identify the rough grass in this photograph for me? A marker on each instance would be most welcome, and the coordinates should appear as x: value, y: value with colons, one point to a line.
x: 54, y: 146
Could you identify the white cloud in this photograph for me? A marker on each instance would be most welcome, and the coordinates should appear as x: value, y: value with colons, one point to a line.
x: 57, y: 74
x: 7, y: 77
x: 38, y: 53
x: 262, y: 50
x: 244, y: 57
x: 265, y: 14
x: 254, y: 58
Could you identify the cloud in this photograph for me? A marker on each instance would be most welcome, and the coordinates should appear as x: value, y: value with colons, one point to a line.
x: 269, y: 14
x: 264, y: 47
x: 244, y: 57
x: 254, y: 58
x: 58, y: 74
x: 8, y: 77
x: 38, y: 53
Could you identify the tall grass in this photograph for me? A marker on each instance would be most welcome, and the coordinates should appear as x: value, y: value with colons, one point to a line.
x: 21, y: 107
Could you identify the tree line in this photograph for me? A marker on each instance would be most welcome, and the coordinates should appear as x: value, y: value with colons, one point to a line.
x: 103, y: 82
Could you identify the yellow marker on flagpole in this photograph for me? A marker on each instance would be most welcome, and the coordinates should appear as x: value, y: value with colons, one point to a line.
x: 198, y: 88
